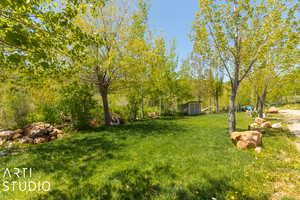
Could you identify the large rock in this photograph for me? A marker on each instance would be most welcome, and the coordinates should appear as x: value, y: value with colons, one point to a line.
x: 259, y: 120
x: 6, y: 134
x: 247, y: 139
x: 2, y: 141
x: 38, y: 129
x: 266, y: 125
x: 258, y: 149
x: 40, y: 140
x: 16, y: 136
x: 277, y: 126
x: 26, y: 140
x: 153, y: 115
x: 53, y: 137
x: 273, y: 110
x: 34, y: 133
x: 55, y: 132
x: 19, y: 131
x: 254, y: 126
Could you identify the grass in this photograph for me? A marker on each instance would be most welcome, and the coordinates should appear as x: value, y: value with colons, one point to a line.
x: 295, y: 106
x: 180, y: 158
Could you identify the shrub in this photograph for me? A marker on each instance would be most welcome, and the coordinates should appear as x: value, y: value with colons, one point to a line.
x: 97, y: 113
x: 122, y: 111
x: 15, y: 108
x: 77, y: 102
x: 51, y: 113
x: 133, y: 106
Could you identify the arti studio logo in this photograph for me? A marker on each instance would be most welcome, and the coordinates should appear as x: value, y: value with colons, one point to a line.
x: 20, y: 179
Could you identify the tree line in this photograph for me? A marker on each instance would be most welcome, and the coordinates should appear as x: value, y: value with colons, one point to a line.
x: 88, y: 60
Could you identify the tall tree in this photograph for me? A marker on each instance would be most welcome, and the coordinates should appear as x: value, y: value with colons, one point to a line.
x: 107, y: 25
x: 137, y: 61
x: 240, y: 32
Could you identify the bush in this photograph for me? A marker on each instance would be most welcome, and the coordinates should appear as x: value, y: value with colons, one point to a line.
x: 151, y: 109
x: 77, y: 102
x: 133, y: 106
x: 15, y: 108
x: 51, y: 114
x: 97, y: 113
x: 121, y: 111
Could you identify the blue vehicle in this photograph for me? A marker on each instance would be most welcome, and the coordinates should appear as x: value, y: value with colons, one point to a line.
x: 249, y: 108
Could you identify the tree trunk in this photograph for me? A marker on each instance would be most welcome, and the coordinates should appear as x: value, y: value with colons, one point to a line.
x: 210, y: 105
x: 262, y: 101
x: 104, y: 94
x: 217, y: 104
x: 261, y: 108
x: 142, y: 107
x: 232, y: 110
x: 160, y: 106
x: 257, y: 103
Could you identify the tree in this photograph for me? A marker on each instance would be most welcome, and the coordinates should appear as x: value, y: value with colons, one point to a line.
x: 240, y: 32
x: 34, y: 32
x: 107, y: 26
x: 279, y: 60
x: 137, y: 60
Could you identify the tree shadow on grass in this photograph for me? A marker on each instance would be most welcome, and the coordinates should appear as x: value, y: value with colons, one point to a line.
x: 278, y: 132
x: 71, y: 159
x: 144, y: 129
x: 214, y: 188
x: 144, y: 184
x: 241, y: 129
x: 131, y: 183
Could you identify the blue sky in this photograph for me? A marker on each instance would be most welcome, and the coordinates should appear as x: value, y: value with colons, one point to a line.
x: 174, y: 18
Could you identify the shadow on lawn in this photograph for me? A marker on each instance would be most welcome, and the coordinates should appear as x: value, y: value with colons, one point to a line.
x: 140, y: 184
x: 65, y: 159
x: 278, y: 132
x: 73, y: 160
x: 145, y: 128
x: 214, y: 188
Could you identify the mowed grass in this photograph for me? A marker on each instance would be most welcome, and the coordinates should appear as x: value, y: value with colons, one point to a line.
x: 294, y: 106
x: 176, y: 158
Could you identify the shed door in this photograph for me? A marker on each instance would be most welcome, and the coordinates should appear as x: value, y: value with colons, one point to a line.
x: 194, y: 109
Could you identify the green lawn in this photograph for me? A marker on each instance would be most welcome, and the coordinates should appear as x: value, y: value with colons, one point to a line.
x: 290, y: 106
x: 182, y: 158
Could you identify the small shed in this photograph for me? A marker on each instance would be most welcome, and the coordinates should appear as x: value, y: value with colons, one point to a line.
x: 191, y: 108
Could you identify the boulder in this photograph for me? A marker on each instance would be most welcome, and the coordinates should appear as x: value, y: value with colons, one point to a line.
x: 273, y: 110
x: 19, y: 131
x: 53, y: 137
x: 247, y: 139
x: 26, y: 140
x: 266, y: 125
x: 242, y: 145
x: 277, y: 126
x: 2, y: 141
x: 40, y: 140
x: 16, y: 136
x: 258, y: 149
x: 55, y: 132
x: 10, y: 145
x: 34, y: 133
x: 153, y: 115
x: 6, y: 134
x: 38, y: 129
x: 254, y: 126
x: 117, y: 120
x: 259, y: 120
